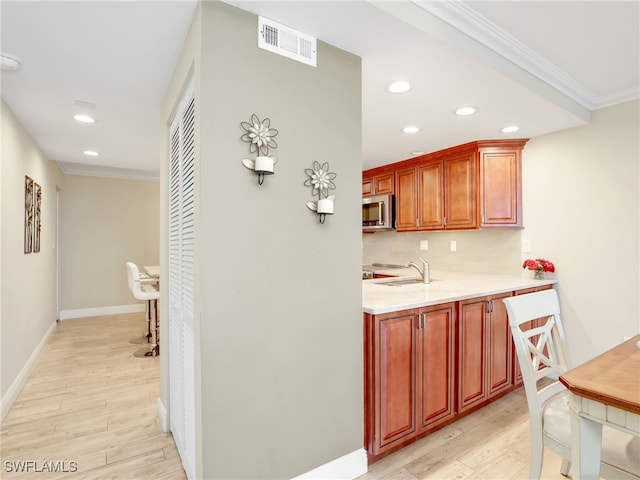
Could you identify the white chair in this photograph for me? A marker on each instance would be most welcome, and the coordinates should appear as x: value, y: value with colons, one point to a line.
x: 144, y: 280
x: 143, y: 289
x: 542, y: 353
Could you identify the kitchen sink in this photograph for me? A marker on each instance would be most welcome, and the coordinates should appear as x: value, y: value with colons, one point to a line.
x: 398, y: 282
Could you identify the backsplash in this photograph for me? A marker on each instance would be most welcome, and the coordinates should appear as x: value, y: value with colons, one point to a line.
x: 477, y: 251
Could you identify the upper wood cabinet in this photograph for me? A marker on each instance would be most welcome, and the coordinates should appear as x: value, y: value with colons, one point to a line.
x: 406, y: 199
x: 460, y: 191
x: 438, y: 194
x: 501, y: 187
x: 431, y: 196
x: 380, y: 184
x: 475, y: 185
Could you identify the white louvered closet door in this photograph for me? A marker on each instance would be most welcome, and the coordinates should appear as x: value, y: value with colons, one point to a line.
x: 180, y: 283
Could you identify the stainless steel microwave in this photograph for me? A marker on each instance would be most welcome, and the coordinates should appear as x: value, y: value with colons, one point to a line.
x: 378, y: 213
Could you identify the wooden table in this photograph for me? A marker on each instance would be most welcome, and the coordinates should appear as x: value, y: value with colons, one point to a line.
x: 605, y: 390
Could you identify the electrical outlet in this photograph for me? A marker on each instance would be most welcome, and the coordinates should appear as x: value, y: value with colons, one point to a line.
x: 453, y: 246
x: 526, y: 246
x: 424, y: 244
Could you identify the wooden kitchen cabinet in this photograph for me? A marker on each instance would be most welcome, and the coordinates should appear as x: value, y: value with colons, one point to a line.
x: 431, y: 198
x: 470, y: 186
x: 501, y: 186
x: 485, y: 355
x: 420, y: 196
x: 435, y: 365
x: 472, y: 356
x: 406, y: 199
x: 500, y: 346
x: 460, y: 192
x: 409, y: 389
x: 380, y: 184
x: 391, y: 360
x: 425, y: 367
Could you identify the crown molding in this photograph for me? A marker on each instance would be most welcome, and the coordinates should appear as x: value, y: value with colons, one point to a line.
x: 468, y: 21
x: 70, y: 168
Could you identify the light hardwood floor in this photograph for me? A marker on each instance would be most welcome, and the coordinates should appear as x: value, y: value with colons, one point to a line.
x: 90, y: 401
x: 489, y: 444
x: 90, y: 406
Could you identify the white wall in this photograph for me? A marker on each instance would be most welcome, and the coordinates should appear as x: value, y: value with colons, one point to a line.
x: 581, y: 210
x: 106, y: 222
x: 28, y: 281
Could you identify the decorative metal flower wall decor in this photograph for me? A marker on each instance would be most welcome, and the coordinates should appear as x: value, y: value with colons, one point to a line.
x: 320, y: 179
x: 259, y: 135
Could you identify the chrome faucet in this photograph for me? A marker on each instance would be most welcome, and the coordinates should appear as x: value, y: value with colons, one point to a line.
x: 424, y: 271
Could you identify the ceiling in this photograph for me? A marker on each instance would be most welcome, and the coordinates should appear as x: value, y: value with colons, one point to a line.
x: 544, y: 66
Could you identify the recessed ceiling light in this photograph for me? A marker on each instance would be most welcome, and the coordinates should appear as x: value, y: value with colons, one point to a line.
x: 9, y: 62
x: 410, y: 129
x: 510, y: 129
x: 84, y: 118
x: 399, y: 86
x: 417, y: 152
x: 468, y: 110
x: 91, y: 153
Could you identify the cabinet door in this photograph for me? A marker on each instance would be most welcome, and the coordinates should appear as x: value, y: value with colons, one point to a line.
x: 499, y: 346
x: 435, y: 365
x: 431, y: 196
x: 367, y: 186
x: 472, y: 365
x: 384, y: 184
x: 500, y: 189
x: 406, y: 199
x: 461, y: 192
x: 395, y: 378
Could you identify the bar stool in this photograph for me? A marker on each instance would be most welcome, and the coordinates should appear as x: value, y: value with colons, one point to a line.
x: 144, y: 280
x: 148, y: 293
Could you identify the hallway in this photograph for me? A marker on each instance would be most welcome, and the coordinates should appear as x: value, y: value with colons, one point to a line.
x: 88, y: 410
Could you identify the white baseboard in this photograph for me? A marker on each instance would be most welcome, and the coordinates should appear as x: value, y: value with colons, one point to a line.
x: 16, y: 387
x: 100, y: 311
x: 347, y: 467
x: 162, y: 416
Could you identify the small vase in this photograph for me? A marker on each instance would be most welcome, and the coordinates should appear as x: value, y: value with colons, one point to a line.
x: 538, y: 274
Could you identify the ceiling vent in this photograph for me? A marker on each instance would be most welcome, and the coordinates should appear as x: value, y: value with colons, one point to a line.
x: 286, y: 41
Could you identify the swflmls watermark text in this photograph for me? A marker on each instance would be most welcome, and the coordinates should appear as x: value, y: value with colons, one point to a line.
x: 40, y: 466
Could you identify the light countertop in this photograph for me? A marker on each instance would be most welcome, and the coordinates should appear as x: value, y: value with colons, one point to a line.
x: 445, y: 287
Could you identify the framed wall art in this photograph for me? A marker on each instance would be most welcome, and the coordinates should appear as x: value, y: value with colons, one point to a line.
x: 28, y: 214
x: 37, y: 202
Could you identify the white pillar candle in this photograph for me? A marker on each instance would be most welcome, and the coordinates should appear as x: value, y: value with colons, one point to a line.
x: 264, y: 164
x: 325, y: 205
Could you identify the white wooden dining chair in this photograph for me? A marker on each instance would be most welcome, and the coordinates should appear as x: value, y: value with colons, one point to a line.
x: 542, y: 354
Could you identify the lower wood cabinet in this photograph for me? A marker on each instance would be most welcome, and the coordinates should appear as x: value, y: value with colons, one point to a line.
x: 485, y: 356
x: 408, y: 374
x: 424, y: 367
x: 435, y: 365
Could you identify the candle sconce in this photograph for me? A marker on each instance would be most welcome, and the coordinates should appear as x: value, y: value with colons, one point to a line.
x: 259, y: 135
x: 321, y: 181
